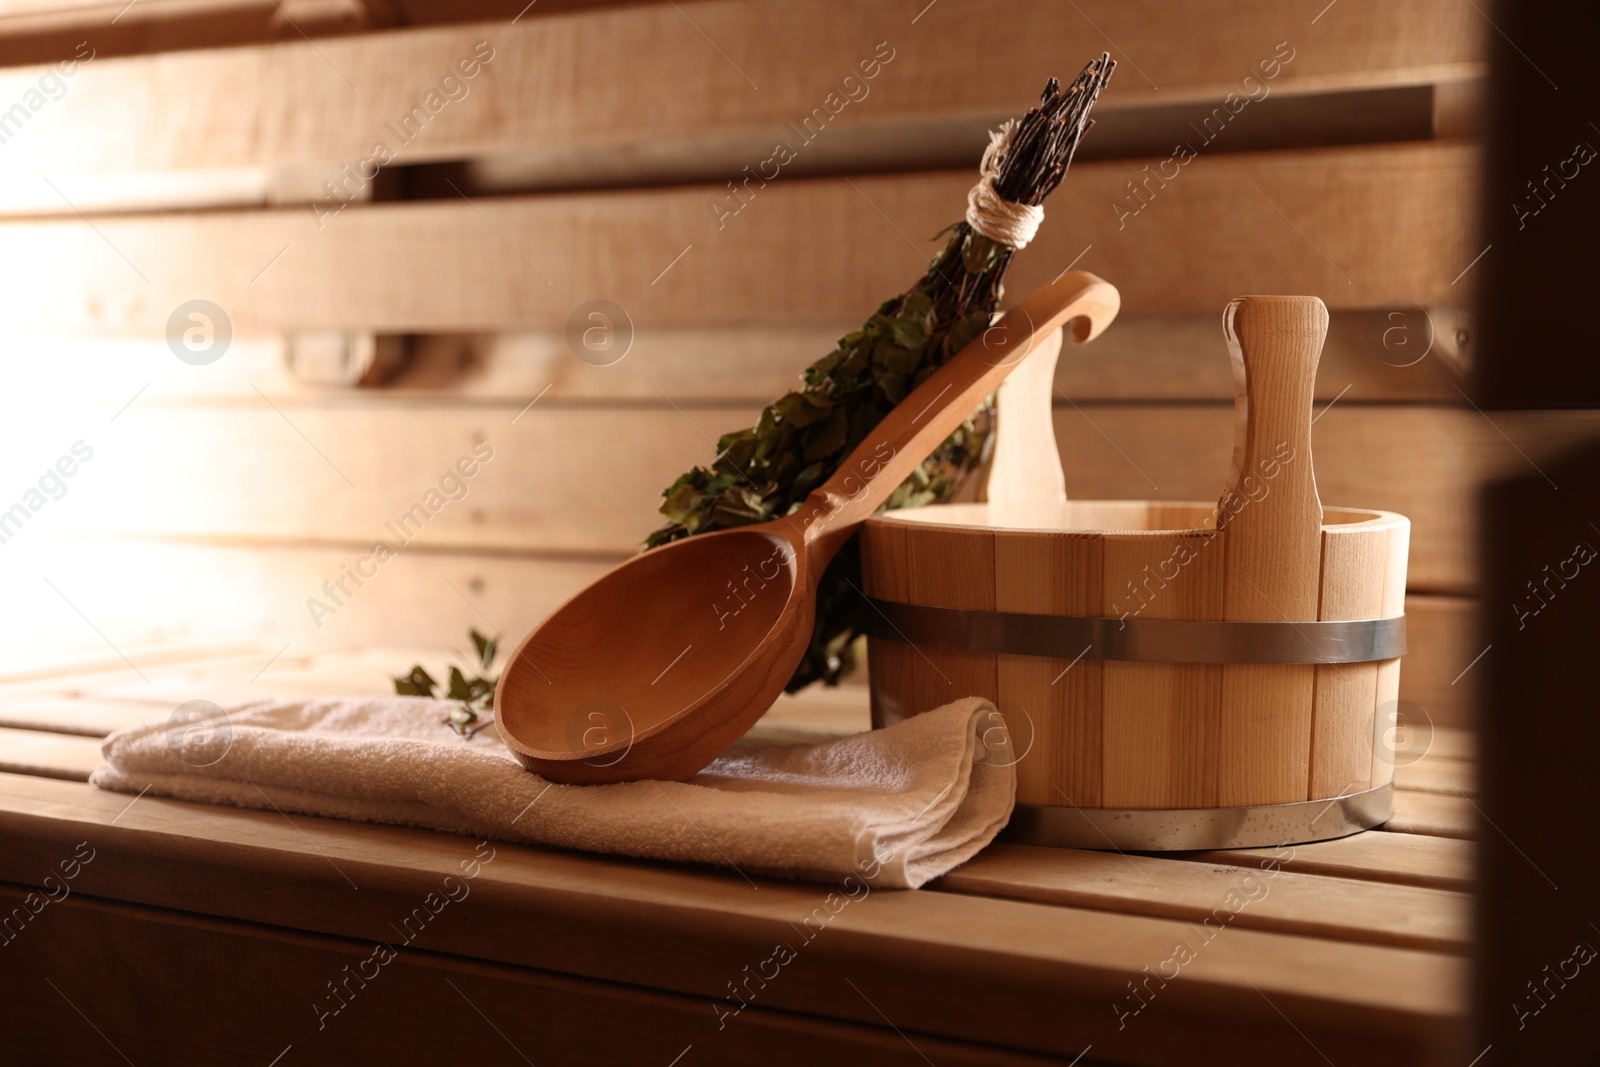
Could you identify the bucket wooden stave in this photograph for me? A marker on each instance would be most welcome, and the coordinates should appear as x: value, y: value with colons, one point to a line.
x: 1138, y: 754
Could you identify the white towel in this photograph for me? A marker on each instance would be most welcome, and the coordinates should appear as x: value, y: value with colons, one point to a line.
x: 892, y: 808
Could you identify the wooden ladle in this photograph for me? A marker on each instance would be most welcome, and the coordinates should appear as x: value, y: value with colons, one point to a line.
x: 661, y: 665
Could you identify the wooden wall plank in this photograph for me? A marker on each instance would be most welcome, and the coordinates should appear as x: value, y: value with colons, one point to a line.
x: 34, y: 33
x: 1145, y: 358
x: 557, y: 479
x: 1361, y: 226
x: 137, y: 599
x: 46, y: 32
x: 572, y: 83
x: 1369, y: 355
x: 566, y: 477
x: 1441, y: 641
x: 1424, y: 462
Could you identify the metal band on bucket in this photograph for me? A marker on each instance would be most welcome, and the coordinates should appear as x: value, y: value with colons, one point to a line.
x: 1163, y: 829
x: 1140, y: 640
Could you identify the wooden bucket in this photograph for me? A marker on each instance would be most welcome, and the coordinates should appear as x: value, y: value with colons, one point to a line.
x: 1173, y: 675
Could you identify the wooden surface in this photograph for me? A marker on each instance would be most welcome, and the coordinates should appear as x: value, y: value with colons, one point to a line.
x: 242, y: 916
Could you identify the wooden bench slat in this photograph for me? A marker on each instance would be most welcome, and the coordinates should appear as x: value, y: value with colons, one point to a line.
x: 45, y: 673
x: 1454, y: 742
x: 1266, y: 898
x: 1036, y: 973
x: 64, y: 715
x: 1402, y: 859
x: 242, y: 984
x: 1438, y: 774
x: 1433, y: 814
x: 51, y: 755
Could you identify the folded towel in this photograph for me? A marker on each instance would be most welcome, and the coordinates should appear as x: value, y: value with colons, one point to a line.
x: 892, y: 808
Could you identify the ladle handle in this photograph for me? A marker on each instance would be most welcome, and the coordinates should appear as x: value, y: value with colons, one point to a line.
x: 919, y: 423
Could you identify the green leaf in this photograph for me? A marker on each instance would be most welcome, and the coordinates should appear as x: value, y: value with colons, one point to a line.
x: 418, y: 683
x: 681, y: 502
x: 914, y: 322
x: 801, y: 409
x: 856, y: 363
x: 486, y: 647
x: 829, y: 437
x: 738, y: 454
x: 720, y: 482
x: 809, y: 478
x: 740, y: 506
x: 892, y: 384
x: 966, y: 330
x: 819, y: 370
x: 665, y: 535
x: 890, y: 356
x: 459, y: 689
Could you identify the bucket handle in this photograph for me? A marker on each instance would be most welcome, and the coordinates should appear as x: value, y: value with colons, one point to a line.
x: 1269, y: 506
x: 1025, y: 486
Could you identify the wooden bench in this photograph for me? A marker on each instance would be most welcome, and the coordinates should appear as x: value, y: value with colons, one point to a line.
x: 198, y: 934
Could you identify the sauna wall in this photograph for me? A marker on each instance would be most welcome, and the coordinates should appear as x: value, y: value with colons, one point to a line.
x: 405, y: 216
